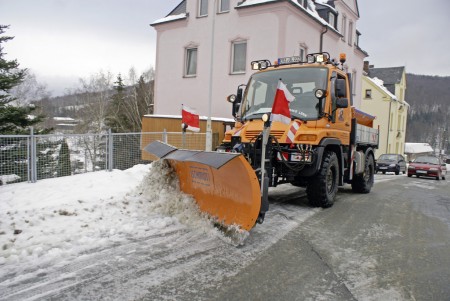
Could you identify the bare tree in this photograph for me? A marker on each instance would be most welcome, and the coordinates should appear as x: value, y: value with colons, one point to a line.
x: 29, y: 90
x: 94, y: 95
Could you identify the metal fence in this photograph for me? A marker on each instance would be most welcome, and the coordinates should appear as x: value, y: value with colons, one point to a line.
x: 29, y: 158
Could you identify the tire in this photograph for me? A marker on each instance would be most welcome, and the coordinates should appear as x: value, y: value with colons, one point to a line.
x: 397, y: 172
x: 363, y: 183
x: 409, y: 176
x: 384, y: 172
x: 322, y: 188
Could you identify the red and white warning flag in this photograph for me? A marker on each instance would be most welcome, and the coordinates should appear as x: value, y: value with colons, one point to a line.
x: 189, y: 118
x: 280, y: 108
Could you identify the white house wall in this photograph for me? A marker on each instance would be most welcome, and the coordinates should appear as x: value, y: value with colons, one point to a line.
x: 271, y: 31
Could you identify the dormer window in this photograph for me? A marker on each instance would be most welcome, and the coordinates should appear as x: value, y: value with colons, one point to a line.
x: 332, y: 19
x: 303, y: 3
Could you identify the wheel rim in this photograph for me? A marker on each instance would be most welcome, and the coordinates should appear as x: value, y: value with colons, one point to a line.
x: 331, y: 175
x: 367, y: 173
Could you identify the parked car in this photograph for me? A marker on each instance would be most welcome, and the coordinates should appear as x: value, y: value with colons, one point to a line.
x: 428, y: 166
x: 391, y: 163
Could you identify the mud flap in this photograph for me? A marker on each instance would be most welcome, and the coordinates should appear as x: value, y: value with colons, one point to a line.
x: 224, y: 185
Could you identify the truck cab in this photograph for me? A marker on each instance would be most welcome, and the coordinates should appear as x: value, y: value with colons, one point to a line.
x: 323, y: 125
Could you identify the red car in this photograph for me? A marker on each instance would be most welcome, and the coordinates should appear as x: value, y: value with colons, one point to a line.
x: 427, y: 166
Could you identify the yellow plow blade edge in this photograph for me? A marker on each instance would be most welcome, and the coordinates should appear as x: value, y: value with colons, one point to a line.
x: 224, y: 185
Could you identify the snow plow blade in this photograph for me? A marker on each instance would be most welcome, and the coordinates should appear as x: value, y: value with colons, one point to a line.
x: 224, y: 185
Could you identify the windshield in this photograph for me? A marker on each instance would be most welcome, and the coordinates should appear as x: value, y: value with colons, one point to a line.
x: 301, y: 82
x: 388, y: 157
x: 425, y: 159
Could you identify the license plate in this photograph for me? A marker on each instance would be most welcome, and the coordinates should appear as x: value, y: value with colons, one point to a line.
x: 421, y: 171
x: 382, y: 167
x: 296, y: 157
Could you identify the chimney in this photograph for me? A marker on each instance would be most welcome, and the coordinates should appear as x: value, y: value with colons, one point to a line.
x: 366, y: 66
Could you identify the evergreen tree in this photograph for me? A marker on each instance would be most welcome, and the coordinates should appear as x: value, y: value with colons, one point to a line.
x: 13, y: 119
x: 117, y: 119
x: 64, y: 160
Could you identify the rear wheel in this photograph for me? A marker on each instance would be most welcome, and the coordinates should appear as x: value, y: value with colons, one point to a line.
x: 363, y: 183
x: 322, y: 188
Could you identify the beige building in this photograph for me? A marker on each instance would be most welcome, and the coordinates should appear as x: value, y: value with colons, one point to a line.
x: 383, y: 95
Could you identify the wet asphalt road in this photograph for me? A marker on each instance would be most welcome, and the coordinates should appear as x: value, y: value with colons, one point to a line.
x: 391, y: 244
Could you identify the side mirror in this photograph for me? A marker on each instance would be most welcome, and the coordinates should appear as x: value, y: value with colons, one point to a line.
x: 341, y: 103
x: 235, y: 100
x: 340, y: 87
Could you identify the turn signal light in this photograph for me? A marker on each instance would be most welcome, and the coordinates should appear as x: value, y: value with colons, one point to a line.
x: 307, y: 137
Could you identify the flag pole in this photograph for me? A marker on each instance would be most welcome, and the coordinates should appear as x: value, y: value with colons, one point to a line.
x: 264, y: 177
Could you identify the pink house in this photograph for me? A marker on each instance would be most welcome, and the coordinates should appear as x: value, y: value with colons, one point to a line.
x: 244, y: 31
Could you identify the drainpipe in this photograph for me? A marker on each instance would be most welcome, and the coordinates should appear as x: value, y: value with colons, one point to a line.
x: 389, y: 125
x: 321, y: 37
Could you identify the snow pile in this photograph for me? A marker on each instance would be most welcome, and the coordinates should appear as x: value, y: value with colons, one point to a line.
x: 73, y: 215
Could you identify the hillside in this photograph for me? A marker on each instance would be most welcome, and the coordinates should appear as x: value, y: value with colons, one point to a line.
x: 429, y: 115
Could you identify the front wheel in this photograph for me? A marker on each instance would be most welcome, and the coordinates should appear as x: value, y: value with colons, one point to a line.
x: 322, y: 188
x: 363, y: 183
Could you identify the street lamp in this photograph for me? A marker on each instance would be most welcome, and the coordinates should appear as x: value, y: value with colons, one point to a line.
x: 211, y: 67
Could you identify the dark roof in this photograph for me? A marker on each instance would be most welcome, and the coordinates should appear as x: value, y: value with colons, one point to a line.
x: 180, y: 9
x: 390, y: 76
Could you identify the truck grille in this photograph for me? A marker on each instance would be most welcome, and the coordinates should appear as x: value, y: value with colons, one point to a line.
x: 253, y: 134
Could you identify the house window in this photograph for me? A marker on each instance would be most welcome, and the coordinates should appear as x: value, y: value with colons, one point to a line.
x: 203, y: 8
x: 238, y: 56
x: 350, y: 33
x: 332, y: 19
x: 344, y: 27
x: 368, y: 93
x: 191, y: 62
x: 224, y: 6
x: 303, y: 52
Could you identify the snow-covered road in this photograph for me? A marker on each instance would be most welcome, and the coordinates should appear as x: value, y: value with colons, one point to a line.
x: 121, y: 235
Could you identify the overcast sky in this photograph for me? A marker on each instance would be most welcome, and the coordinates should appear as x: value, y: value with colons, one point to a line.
x: 64, y: 40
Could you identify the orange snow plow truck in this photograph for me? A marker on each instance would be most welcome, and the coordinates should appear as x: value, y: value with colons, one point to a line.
x: 326, y: 144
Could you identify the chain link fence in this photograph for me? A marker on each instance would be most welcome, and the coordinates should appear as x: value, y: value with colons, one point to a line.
x: 29, y: 158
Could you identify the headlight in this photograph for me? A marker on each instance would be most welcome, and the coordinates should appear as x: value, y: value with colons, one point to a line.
x: 392, y: 165
x: 411, y: 167
x: 320, y: 93
x: 231, y: 98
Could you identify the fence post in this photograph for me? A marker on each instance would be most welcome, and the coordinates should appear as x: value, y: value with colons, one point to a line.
x: 165, y: 136
x: 33, y: 161
x: 110, y: 150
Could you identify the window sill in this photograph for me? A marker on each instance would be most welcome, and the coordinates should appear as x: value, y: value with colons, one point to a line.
x: 190, y: 76
x: 238, y: 73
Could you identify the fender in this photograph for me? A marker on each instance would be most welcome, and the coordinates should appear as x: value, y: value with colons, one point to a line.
x: 326, y: 143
